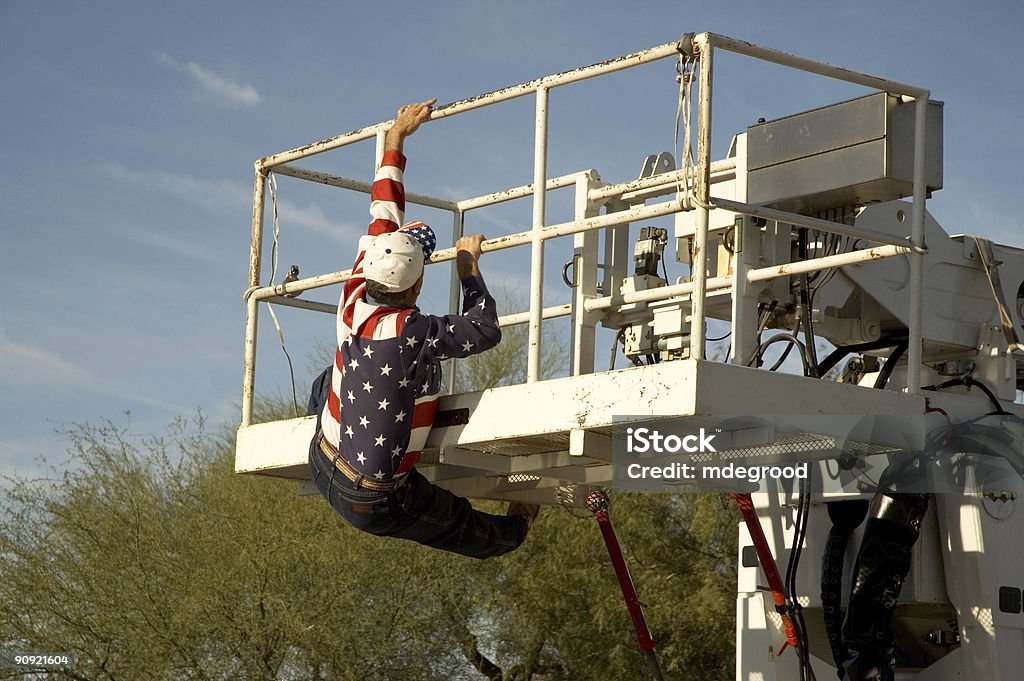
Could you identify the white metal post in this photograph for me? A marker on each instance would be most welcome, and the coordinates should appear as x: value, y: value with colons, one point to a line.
x: 747, y: 253
x: 915, y: 335
x: 740, y: 330
x: 455, y: 290
x: 249, y: 377
x: 584, y: 270
x: 540, y: 170
x: 379, y: 153
x: 699, y: 270
x: 251, y: 315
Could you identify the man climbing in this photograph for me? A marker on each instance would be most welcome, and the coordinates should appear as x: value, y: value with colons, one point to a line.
x: 386, y: 379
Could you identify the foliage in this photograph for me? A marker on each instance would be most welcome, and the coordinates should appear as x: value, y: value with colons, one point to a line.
x: 149, y: 558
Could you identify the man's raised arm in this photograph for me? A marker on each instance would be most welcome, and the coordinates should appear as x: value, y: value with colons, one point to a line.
x: 408, y: 120
x: 387, y: 197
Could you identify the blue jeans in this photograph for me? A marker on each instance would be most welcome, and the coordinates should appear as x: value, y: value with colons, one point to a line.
x: 418, y: 511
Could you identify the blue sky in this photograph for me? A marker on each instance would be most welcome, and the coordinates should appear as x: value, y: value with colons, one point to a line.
x: 129, y: 132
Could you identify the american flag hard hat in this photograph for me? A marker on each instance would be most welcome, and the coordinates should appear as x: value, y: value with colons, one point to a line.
x: 423, y: 234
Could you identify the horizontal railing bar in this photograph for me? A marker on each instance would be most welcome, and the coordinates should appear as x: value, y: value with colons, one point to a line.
x: 515, y: 193
x: 513, y: 319
x: 653, y: 294
x: 812, y: 65
x: 512, y: 92
x: 497, y: 244
x: 302, y: 304
x: 572, y: 227
x: 360, y: 186
x: 615, y: 190
x: 524, y: 317
x: 827, y: 262
x: 812, y: 223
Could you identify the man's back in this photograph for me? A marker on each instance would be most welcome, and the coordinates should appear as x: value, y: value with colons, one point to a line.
x: 391, y: 378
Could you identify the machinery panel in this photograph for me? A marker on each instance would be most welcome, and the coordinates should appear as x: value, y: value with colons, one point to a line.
x: 855, y: 152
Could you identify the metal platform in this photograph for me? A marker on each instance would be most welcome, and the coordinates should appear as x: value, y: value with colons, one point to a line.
x: 562, y: 430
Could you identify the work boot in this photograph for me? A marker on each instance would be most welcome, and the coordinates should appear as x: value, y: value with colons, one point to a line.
x: 528, y: 512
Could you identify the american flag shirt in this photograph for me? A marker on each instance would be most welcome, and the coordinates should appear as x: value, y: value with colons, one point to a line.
x: 387, y: 373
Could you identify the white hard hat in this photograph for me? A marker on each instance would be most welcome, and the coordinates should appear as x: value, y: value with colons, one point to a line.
x: 394, y: 260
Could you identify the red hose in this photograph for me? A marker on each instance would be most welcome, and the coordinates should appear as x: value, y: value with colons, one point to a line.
x: 767, y: 561
x: 597, y: 502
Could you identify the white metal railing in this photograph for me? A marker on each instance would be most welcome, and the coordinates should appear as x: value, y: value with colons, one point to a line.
x: 702, y: 47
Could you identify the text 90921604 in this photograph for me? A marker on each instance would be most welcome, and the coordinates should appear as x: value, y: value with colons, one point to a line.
x: 31, y: 660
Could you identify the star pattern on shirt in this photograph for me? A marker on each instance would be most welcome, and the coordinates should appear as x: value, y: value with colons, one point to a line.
x: 394, y: 372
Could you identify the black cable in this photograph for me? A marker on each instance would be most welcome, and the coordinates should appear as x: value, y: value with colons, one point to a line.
x: 781, y: 359
x: 785, y: 353
x: 615, y: 347
x: 969, y: 382
x: 722, y: 338
x: 811, y: 368
x: 842, y: 351
x: 812, y: 350
x: 801, y: 538
x: 793, y: 565
x: 890, y: 364
x: 788, y: 337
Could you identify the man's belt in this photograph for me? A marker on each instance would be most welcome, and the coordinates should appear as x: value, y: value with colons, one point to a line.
x: 357, y: 478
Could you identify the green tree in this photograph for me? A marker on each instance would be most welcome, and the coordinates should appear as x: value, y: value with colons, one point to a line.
x: 150, y: 558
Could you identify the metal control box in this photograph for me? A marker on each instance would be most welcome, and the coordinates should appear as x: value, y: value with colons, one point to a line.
x: 856, y: 152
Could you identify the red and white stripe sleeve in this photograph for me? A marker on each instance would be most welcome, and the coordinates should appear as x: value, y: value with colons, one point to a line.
x: 387, y: 209
x: 387, y: 197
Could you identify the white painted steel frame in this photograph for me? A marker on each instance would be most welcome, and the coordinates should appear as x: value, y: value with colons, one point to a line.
x: 697, y: 288
x: 706, y: 43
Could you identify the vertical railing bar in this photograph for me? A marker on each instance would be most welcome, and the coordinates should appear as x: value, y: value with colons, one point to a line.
x: 703, y: 195
x: 379, y: 151
x: 914, y: 320
x: 249, y: 378
x: 540, y: 155
x: 455, y: 289
x: 251, y: 315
